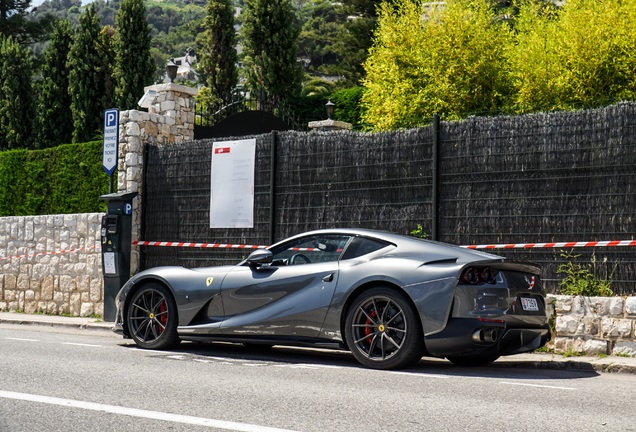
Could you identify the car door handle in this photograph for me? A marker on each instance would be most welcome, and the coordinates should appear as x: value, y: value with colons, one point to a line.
x: 328, y: 278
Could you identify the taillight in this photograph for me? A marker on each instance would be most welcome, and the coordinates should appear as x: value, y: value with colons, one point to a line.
x: 479, y: 275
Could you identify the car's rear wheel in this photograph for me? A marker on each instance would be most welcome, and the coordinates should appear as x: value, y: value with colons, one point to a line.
x: 383, y: 331
x: 152, y: 317
x: 473, y: 361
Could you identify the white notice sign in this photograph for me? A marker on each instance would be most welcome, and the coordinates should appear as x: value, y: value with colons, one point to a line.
x: 109, y: 263
x: 232, y: 184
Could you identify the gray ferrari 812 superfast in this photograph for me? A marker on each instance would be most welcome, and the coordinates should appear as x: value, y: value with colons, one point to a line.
x: 390, y: 299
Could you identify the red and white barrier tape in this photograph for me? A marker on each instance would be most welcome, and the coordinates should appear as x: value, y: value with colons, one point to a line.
x: 561, y: 245
x: 197, y: 245
x: 609, y: 243
x: 210, y: 245
x: 58, y: 252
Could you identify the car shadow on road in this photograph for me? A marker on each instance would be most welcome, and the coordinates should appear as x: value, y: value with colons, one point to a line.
x: 506, y: 367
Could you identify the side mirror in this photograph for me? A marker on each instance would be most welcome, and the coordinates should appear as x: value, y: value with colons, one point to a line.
x: 260, y: 257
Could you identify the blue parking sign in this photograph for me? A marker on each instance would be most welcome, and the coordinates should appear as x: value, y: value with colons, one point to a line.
x: 111, y: 140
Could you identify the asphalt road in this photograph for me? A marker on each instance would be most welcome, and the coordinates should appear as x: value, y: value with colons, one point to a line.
x: 54, y: 379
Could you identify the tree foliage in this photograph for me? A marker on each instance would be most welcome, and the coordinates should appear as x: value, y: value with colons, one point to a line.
x: 86, y: 79
x: 218, y: 56
x: 16, y: 22
x: 106, y: 50
x: 348, y: 106
x: 270, y: 47
x: 322, y: 26
x: 334, y: 39
x: 579, y: 56
x: 16, y: 102
x: 55, y: 124
x: 434, y: 59
x: 134, y: 65
x: 466, y: 57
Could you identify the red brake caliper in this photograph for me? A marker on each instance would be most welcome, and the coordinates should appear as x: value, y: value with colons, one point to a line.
x: 164, y: 316
x: 368, y: 330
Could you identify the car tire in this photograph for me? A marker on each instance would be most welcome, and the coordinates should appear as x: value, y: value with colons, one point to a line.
x: 152, y: 317
x: 473, y: 361
x: 383, y: 330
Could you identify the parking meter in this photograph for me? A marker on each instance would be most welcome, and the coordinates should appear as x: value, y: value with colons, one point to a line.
x: 116, y: 241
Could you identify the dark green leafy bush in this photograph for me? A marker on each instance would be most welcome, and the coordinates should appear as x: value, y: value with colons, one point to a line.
x: 60, y: 180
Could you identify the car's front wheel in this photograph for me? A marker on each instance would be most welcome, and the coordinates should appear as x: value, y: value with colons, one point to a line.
x: 383, y: 331
x: 152, y: 317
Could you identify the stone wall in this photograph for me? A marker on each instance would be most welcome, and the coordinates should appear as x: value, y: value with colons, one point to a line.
x: 595, y: 325
x: 169, y: 120
x: 51, y: 264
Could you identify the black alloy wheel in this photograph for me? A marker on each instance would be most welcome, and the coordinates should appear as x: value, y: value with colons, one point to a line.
x: 152, y: 318
x: 383, y: 330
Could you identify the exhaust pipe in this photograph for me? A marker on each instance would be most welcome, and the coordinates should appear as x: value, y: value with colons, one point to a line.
x: 485, y: 336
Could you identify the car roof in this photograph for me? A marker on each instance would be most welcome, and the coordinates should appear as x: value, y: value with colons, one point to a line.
x: 405, y: 243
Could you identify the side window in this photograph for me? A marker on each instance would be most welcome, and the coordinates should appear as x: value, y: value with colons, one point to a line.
x: 314, y: 249
x: 360, y: 246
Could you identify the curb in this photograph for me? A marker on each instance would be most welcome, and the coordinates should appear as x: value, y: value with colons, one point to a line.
x: 556, y: 362
x: 55, y: 321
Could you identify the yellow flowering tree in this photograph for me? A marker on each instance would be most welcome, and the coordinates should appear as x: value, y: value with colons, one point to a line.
x: 435, y: 58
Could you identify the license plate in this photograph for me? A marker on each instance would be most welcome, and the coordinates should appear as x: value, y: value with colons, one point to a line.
x: 529, y: 304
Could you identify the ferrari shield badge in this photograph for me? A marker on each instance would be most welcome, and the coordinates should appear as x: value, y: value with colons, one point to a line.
x: 209, y: 281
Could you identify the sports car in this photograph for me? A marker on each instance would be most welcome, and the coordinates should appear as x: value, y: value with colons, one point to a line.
x: 390, y: 299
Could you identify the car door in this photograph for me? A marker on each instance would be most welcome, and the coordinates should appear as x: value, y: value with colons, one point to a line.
x: 290, y: 296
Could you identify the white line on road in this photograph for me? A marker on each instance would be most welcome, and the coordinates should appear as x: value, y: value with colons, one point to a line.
x: 153, y: 415
x: 82, y: 344
x: 423, y: 375
x: 537, y: 385
x: 23, y: 339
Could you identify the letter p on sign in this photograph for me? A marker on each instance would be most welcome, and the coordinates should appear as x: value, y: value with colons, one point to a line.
x: 111, y: 118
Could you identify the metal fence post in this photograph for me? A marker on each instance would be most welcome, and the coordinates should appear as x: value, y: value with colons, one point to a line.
x: 435, y: 191
x: 272, y: 188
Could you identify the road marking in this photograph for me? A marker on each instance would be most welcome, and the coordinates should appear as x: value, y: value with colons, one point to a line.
x: 420, y: 374
x: 133, y: 412
x: 319, y: 366
x: 537, y: 385
x: 82, y: 344
x: 23, y: 339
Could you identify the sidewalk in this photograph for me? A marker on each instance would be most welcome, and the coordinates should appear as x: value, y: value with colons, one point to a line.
x: 54, y: 321
x: 609, y: 364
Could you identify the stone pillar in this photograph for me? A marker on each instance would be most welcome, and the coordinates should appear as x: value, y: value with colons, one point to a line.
x: 169, y: 120
x: 176, y: 104
x: 329, y: 125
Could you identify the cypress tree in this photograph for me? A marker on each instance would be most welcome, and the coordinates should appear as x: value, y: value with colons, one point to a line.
x: 16, y: 102
x: 106, y: 49
x: 134, y: 65
x: 55, y: 122
x: 17, y: 21
x: 270, y: 47
x: 86, y: 81
x: 218, y: 56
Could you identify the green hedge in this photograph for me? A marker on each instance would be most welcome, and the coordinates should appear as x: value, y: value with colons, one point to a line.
x: 60, y: 180
x: 348, y: 106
